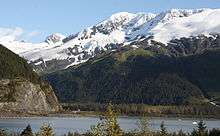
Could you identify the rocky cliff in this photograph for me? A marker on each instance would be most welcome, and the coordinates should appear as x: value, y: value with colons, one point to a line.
x: 22, y: 95
x: 21, y: 89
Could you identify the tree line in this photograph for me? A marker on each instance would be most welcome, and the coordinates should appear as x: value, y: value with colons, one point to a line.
x: 205, y: 110
x: 109, y: 126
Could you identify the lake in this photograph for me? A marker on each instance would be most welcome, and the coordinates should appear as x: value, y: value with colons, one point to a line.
x: 62, y: 125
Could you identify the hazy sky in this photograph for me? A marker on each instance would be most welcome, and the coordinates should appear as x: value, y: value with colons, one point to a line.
x: 35, y: 19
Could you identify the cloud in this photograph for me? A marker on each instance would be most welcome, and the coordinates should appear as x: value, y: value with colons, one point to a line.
x: 34, y: 33
x: 11, y: 33
x: 17, y: 33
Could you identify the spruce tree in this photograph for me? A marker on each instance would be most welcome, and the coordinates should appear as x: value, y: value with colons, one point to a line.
x: 27, y: 131
x: 109, y: 125
x: 143, y: 125
x: 214, y: 132
x: 163, y: 130
x: 202, y: 129
x: 46, y: 130
x: 201, y: 126
x: 3, y: 132
x: 112, y: 126
x: 98, y: 130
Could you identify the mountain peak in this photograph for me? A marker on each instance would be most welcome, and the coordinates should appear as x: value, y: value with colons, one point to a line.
x: 55, y: 38
x: 121, y: 16
x: 179, y: 13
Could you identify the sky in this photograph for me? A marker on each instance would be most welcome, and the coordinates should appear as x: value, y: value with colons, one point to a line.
x: 33, y: 20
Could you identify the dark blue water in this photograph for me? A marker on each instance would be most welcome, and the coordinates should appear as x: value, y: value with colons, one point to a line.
x: 62, y: 125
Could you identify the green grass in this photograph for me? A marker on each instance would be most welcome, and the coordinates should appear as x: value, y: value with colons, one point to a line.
x: 138, y: 52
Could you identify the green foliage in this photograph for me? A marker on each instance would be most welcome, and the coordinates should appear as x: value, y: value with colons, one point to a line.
x: 3, y: 132
x: 97, y: 130
x: 121, y: 57
x: 112, y: 126
x: 163, y: 131
x: 27, y: 131
x: 45, y: 130
x: 183, y: 72
x: 101, y: 129
x: 13, y: 66
x: 74, y: 134
x: 143, y: 125
x: 206, y: 110
x: 137, y: 80
x: 201, y: 130
x: 214, y: 132
x: 201, y: 127
x: 109, y: 125
x: 181, y: 133
x: 17, y: 70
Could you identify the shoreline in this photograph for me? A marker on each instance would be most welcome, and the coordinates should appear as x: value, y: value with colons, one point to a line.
x: 92, y: 114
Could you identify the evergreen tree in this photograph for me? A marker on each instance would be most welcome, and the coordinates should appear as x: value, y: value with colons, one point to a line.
x: 194, y: 133
x: 201, y: 130
x: 109, y: 125
x: 201, y: 127
x: 97, y: 130
x: 181, y: 133
x: 163, y: 130
x: 3, y: 132
x: 214, y: 132
x: 112, y: 126
x: 143, y: 125
x: 45, y: 130
x: 27, y: 131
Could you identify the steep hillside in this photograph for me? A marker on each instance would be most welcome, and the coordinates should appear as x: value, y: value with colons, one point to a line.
x: 12, y: 66
x: 138, y: 78
x: 173, y: 74
x: 21, y: 89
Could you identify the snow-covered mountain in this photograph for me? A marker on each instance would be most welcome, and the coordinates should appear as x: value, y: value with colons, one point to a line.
x: 59, y: 52
x: 22, y: 47
x: 55, y: 38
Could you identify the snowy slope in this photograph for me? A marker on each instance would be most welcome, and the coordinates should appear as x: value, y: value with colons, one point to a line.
x: 199, y: 22
x: 21, y: 47
x: 118, y: 29
x: 95, y: 38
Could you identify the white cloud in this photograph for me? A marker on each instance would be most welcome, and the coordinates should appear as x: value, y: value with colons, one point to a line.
x: 34, y: 33
x: 10, y: 33
x: 17, y: 33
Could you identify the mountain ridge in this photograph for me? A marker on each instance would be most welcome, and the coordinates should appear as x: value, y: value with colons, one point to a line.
x: 184, y: 74
x: 118, y: 30
x: 128, y: 58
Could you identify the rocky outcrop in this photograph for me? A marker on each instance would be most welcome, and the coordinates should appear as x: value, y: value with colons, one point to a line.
x: 24, y: 96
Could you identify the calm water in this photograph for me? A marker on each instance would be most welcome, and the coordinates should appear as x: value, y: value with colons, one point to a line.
x: 62, y: 125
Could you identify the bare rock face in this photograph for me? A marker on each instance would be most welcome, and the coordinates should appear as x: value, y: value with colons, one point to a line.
x: 23, y: 96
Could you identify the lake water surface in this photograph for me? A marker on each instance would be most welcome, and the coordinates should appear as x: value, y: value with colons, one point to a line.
x: 62, y: 125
